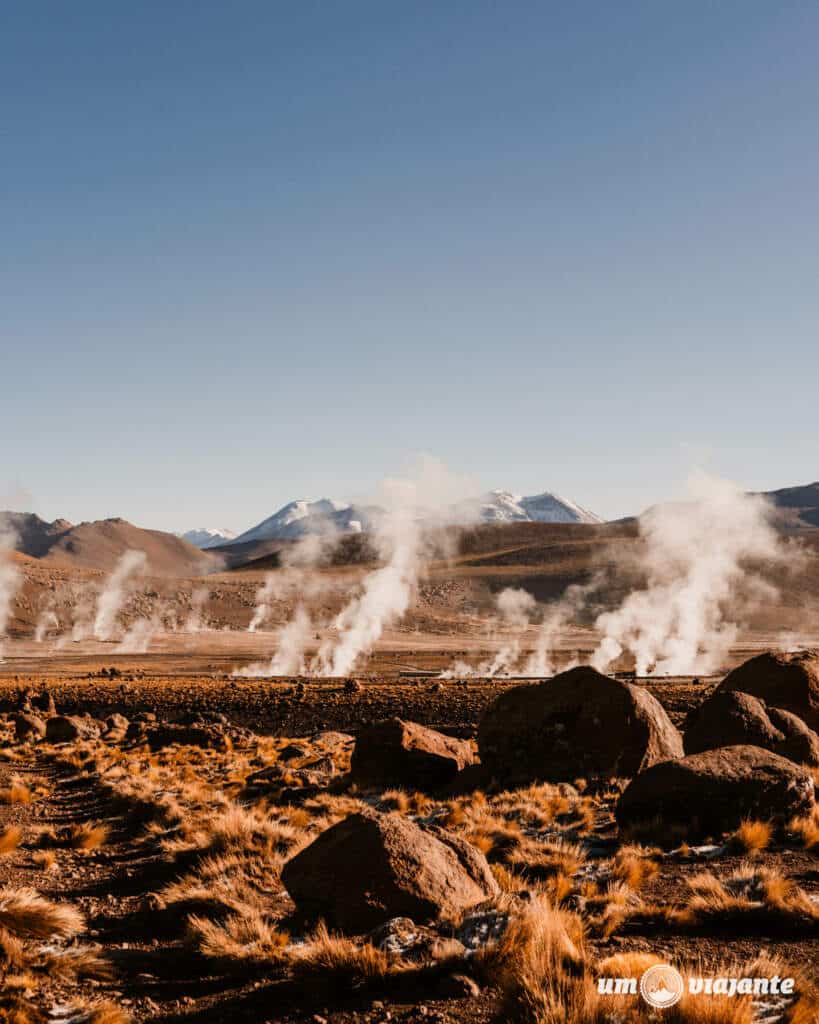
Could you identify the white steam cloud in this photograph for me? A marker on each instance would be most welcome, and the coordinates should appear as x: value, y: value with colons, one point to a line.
x: 115, y: 592
x: 10, y: 577
x: 430, y: 495
x: 700, y: 559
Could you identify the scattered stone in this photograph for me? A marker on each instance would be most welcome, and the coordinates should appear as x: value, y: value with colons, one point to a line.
x: 710, y: 793
x: 371, y: 867
x: 69, y: 728
x: 458, y: 986
x: 405, y: 753
x: 28, y: 726
x: 580, y: 723
x: 292, y: 752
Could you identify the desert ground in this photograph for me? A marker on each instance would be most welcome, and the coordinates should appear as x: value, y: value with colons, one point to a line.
x: 186, y: 836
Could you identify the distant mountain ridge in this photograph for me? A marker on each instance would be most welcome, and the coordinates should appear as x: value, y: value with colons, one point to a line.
x: 100, y: 545
x: 299, y: 518
x: 797, y: 506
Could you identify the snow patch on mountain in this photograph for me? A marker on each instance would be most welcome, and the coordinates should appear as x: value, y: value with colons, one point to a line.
x: 506, y: 507
x: 302, y: 517
x: 208, y: 537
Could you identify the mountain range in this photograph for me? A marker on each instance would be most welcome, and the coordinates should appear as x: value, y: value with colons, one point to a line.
x: 99, y: 545
x: 302, y: 517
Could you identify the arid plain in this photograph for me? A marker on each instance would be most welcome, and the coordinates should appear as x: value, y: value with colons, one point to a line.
x: 452, y: 829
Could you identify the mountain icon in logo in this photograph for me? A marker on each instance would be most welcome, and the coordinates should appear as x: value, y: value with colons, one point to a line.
x: 661, y: 986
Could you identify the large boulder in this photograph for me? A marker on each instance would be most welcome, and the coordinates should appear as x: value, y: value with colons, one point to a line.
x: 710, y: 793
x: 801, y: 743
x: 578, y: 723
x: 28, y: 726
x: 408, y: 754
x: 70, y: 728
x: 730, y: 718
x: 789, y: 681
x: 371, y: 867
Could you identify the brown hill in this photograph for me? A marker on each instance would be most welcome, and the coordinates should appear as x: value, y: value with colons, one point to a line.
x: 100, y: 545
x: 798, y: 506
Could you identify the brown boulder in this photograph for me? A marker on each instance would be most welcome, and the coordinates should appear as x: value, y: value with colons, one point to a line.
x: 68, y: 728
x: 371, y: 867
x: 789, y: 681
x: 801, y: 744
x: 28, y: 726
x: 578, y: 723
x: 710, y: 793
x: 730, y: 718
x: 405, y: 753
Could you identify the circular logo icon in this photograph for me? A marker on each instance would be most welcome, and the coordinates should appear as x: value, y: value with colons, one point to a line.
x: 661, y: 986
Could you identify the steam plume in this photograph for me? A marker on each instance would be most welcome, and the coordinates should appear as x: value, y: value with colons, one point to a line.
x: 698, y: 558
x: 387, y: 592
x: 115, y: 592
x: 10, y: 577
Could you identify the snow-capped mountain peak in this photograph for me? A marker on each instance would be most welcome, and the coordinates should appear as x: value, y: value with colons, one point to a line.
x: 208, y: 537
x: 298, y: 518
x: 506, y: 507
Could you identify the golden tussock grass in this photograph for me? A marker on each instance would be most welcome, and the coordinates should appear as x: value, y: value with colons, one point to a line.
x: 806, y: 829
x: 16, y: 793
x: 751, y: 897
x: 633, y: 866
x: 338, y: 963
x: 28, y: 915
x: 88, y: 836
x: 46, y: 860
x: 10, y: 838
x: 538, y: 967
x: 240, y: 941
x: 751, y: 837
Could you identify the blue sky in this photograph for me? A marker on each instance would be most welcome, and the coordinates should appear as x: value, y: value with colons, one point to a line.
x: 258, y: 251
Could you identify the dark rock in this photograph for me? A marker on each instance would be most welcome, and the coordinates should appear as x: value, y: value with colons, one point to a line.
x: 28, y: 726
x: 405, y: 753
x: 292, y: 752
x: 801, y: 744
x: 789, y: 681
x: 69, y: 728
x: 580, y: 723
x: 710, y: 793
x: 729, y: 719
x: 371, y: 867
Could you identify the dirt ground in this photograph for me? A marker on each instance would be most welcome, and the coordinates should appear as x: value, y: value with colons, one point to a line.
x: 159, y: 973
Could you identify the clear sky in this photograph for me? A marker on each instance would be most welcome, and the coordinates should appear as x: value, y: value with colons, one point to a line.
x: 255, y: 251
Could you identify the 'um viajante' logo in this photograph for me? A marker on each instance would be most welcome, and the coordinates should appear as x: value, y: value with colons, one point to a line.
x: 662, y: 986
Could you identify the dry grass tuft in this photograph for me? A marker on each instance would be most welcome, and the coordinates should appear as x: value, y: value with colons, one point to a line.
x: 28, y: 915
x: 16, y: 793
x: 633, y: 866
x: 751, y: 837
x: 807, y: 829
x: 88, y: 836
x: 10, y: 839
x: 46, y: 860
x: 338, y: 962
x: 538, y: 966
x: 242, y: 941
x: 750, y: 898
